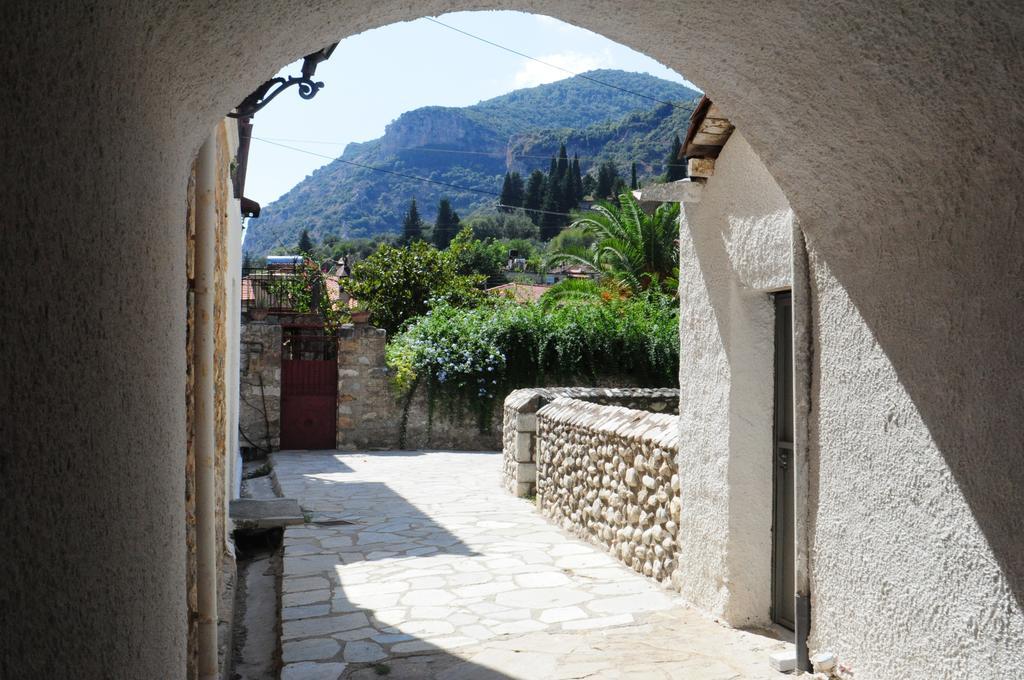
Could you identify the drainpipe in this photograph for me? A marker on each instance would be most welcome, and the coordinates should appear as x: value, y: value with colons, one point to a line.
x: 803, y: 368
x: 203, y: 365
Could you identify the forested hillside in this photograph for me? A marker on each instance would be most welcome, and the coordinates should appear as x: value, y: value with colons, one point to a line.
x: 472, y: 148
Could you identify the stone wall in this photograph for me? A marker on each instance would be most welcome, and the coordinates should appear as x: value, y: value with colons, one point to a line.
x: 520, y: 422
x: 366, y: 407
x: 259, y: 415
x: 371, y: 412
x: 609, y: 475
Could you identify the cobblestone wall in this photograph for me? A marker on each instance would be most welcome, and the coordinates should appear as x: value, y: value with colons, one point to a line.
x: 609, y: 475
x: 520, y: 423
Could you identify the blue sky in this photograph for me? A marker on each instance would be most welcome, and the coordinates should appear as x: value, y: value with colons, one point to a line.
x: 374, y: 77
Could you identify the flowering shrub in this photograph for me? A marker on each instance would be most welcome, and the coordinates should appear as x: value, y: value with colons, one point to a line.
x: 473, y: 357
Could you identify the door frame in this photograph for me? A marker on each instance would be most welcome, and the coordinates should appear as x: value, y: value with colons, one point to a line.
x: 783, y: 459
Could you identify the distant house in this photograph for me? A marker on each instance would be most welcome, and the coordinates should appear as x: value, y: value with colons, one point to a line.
x: 520, y: 292
x: 563, y: 272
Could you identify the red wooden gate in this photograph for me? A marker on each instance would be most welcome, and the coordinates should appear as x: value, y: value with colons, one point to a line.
x: 309, y: 389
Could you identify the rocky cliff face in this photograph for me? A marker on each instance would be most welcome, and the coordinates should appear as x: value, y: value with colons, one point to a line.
x: 438, y: 127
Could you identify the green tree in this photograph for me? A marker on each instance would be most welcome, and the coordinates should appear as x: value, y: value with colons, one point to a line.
x: 632, y: 177
x: 397, y: 284
x: 512, y: 192
x: 551, y: 222
x: 305, y: 245
x: 632, y: 250
x: 534, y: 198
x: 577, y: 178
x: 515, y: 225
x: 675, y: 168
x: 589, y: 184
x: 412, y: 225
x: 562, y: 168
x: 447, y: 224
x: 607, y: 177
x: 567, y: 193
x: 472, y: 256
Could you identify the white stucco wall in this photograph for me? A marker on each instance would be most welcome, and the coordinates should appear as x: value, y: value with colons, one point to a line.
x: 900, y: 569
x: 735, y: 248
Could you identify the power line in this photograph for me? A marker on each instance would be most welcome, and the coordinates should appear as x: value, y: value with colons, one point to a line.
x: 412, y: 177
x: 376, y: 169
x: 493, y: 154
x: 555, y: 66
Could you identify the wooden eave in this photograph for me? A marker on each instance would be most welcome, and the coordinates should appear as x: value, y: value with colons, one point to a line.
x: 708, y: 132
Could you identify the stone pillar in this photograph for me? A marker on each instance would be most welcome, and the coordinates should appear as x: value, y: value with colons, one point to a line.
x: 367, y: 414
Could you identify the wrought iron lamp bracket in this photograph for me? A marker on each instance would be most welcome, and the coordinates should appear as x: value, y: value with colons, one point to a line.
x: 265, y: 93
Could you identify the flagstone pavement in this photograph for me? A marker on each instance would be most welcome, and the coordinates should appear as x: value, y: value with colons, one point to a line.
x: 418, y: 564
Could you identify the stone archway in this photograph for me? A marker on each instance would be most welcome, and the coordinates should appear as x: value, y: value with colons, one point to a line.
x: 893, y: 131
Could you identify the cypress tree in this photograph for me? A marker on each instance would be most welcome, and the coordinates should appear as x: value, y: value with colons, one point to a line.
x: 567, y: 193
x: 516, y: 191
x: 675, y: 169
x: 577, y: 179
x: 553, y: 169
x: 550, y: 221
x: 607, y: 178
x: 553, y: 191
x: 412, y: 225
x: 562, y: 166
x: 506, y: 195
x: 534, y: 196
x: 447, y: 224
x: 632, y: 177
x: 305, y: 243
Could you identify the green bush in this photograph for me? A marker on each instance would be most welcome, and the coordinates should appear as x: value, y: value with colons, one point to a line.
x: 473, y: 357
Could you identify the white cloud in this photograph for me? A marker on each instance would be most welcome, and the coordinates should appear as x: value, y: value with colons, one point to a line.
x: 533, y: 73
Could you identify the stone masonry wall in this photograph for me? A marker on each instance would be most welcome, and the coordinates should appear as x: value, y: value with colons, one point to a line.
x: 259, y: 409
x: 520, y: 422
x: 366, y: 408
x: 609, y: 475
x: 371, y: 411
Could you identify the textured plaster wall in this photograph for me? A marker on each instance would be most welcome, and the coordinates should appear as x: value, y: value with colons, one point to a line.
x: 735, y: 248
x: 892, y: 128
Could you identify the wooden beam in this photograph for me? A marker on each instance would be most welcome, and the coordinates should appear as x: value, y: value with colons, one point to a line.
x: 701, y: 167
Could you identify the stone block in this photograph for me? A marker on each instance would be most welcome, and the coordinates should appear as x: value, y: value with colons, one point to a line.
x: 526, y: 422
x: 524, y: 447
x: 526, y: 472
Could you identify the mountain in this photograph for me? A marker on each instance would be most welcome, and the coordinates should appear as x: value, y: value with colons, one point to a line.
x: 471, y: 148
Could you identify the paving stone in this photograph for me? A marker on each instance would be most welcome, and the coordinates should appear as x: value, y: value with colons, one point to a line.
x: 299, y: 584
x: 323, y: 626
x: 308, y: 670
x: 441, y: 565
x: 363, y: 651
x: 305, y: 612
x: 544, y: 579
x: 309, y: 650
x: 427, y: 597
x: 601, y: 622
x: 305, y: 597
x: 559, y: 614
